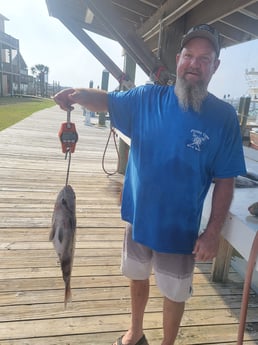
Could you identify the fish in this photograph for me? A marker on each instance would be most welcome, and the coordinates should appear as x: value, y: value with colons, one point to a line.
x: 252, y: 175
x: 253, y: 209
x: 245, y: 182
x: 63, y: 234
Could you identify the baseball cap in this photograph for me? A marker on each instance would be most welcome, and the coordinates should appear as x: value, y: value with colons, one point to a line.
x: 203, y: 31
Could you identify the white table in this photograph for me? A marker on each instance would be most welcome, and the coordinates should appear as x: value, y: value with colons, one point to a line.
x: 240, y: 231
x: 240, y: 227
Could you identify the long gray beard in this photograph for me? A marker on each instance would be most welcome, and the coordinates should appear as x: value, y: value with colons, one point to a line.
x: 190, y: 95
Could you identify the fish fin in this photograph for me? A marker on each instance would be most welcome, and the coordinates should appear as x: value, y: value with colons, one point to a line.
x: 52, y: 233
x: 252, y: 175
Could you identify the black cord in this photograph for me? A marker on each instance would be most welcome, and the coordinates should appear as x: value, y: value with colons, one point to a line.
x: 112, y: 131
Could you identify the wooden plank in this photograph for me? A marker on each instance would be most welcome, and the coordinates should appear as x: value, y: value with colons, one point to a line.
x: 22, y: 255
x: 104, y: 281
x: 193, y: 336
x: 38, y: 304
x: 59, y: 327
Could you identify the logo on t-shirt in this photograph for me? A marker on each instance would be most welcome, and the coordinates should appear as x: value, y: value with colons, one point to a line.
x: 198, y: 139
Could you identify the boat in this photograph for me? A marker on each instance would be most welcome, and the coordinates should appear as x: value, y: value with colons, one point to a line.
x: 254, y: 138
x: 252, y: 123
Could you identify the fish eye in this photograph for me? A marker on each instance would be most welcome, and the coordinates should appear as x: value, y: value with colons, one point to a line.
x: 63, y: 201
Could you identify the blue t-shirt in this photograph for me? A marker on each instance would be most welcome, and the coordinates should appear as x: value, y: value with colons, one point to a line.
x: 173, y: 158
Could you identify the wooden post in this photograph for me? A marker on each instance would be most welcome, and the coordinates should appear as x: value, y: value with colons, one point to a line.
x: 104, y: 86
x: 129, y: 69
x: 221, y: 264
x: 240, y: 109
x: 244, y: 106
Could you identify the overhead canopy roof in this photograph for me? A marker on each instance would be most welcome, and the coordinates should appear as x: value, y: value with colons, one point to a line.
x: 151, y: 30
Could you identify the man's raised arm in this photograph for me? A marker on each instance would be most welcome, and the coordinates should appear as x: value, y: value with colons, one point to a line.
x: 92, y: 99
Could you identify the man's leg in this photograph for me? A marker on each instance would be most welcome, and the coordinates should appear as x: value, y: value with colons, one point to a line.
x: 174, y: 274
x: 136, y: 265
x: 139, y: 297
x: 172, y: 315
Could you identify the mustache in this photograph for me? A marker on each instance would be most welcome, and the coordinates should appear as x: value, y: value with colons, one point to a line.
x: 193, y: 71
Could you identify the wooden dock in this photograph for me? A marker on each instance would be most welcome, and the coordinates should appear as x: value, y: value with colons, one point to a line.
x: 32, y: 171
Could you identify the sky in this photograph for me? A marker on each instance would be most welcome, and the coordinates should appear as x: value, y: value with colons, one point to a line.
x: 45, y: 40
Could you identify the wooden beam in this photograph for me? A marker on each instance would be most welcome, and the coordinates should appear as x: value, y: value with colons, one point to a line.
x: 243, y: 23
x: 168, y: 13
x: 234, y: 34
x: 123, y: 32
x: 152, y: 3
x: 139, y: 8
x: 88, y: 42
x: 170, y: 44
x: 127, y: 37
x: 217, y: 9
x: 131, y: 17
x: 251, y: 10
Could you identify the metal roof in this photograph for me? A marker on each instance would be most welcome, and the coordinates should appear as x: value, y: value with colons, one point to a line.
x: 151, y: 30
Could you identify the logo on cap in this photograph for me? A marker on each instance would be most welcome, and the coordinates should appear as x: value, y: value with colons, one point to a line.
x: 203, y: 31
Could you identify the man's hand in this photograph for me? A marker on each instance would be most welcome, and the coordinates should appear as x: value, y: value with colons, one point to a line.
x: 64, y: 100
x: 206, y: 246
x: 92, y: 99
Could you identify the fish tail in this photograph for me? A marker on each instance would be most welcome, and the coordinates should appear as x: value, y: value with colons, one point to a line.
x: 68, y: 294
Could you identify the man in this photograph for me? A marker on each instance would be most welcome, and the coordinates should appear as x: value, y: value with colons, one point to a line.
x: 182, y: 139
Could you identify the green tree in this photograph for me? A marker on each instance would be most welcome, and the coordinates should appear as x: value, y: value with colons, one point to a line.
x: 41, y: 73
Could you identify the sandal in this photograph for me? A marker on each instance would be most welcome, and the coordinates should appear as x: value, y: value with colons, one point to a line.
x: 142, y: 341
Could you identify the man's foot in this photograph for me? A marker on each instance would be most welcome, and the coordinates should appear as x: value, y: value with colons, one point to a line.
x: 141, y: 341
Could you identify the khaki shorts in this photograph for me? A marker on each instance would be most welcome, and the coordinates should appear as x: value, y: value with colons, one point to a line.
x: 173, y: 272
